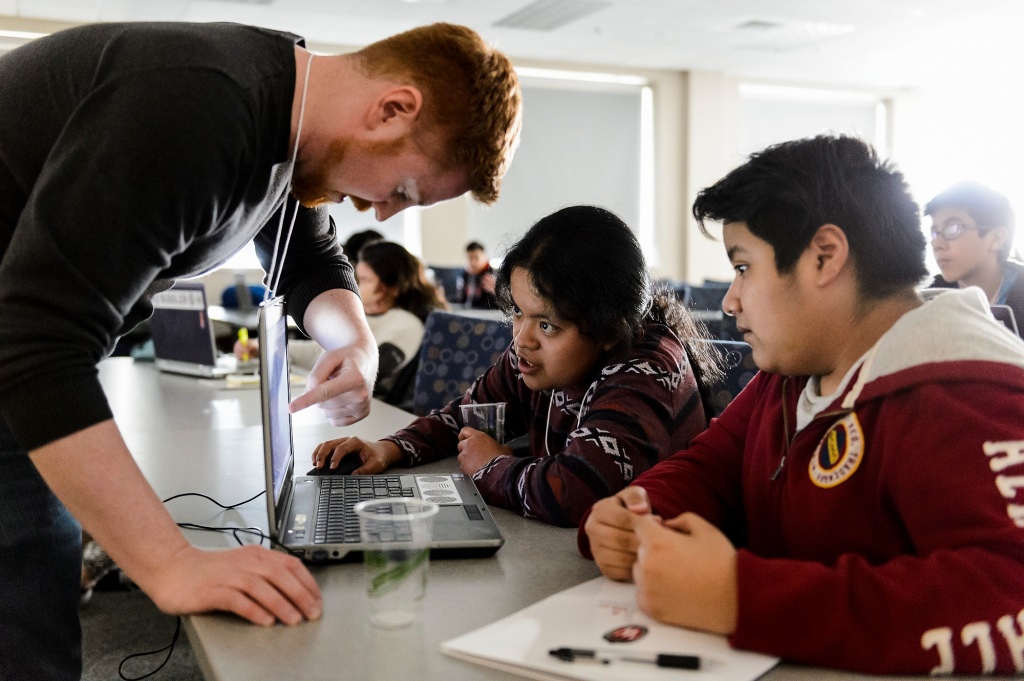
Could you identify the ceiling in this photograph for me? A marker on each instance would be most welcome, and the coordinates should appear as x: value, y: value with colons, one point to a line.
x: 879, y: 44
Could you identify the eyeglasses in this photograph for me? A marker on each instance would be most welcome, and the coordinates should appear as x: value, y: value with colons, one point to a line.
x: 953, y: 230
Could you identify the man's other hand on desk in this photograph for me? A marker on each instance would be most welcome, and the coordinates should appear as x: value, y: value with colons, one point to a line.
x: 341, y: 382
x: 259, y: 585
x: 92, y: 472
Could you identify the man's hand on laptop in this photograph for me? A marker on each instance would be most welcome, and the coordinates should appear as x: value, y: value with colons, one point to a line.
x: 341, y: 382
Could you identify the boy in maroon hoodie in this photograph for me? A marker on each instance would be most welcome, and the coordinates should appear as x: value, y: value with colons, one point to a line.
x: 860, y: 504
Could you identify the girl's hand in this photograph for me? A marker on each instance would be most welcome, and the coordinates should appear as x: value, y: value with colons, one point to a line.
x: 477, y: 449
x: 376, y: 457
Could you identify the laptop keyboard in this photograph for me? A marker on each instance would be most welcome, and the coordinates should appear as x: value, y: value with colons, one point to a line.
x: 336, y: 521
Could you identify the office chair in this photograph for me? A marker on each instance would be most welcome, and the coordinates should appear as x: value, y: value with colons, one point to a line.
x: 705, y: 302
x: 682, y: 292
x: 400, y: 393
x: 234, y: 297
x: 456, y: 350
x: 738, y: 363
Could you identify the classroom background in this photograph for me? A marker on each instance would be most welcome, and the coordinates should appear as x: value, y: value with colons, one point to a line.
x: 635, y: 105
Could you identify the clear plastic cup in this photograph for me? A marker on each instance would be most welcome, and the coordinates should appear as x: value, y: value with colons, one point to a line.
x: 397, y: 535
x: 488, y: 417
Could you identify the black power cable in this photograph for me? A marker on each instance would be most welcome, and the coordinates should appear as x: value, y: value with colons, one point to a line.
x: 237, y: 533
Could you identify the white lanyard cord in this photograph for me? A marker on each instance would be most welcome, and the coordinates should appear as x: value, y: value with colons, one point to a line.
x: 274, y: 265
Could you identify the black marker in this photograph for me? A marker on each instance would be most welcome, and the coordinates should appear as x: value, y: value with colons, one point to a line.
x: 606, y: 656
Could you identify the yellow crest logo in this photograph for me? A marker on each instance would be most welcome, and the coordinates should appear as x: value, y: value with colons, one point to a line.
x: 839, y: 453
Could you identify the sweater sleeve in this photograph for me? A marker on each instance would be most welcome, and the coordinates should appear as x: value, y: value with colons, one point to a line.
x: 635, y: 411
x: 953, y: 600
x: 111, y: 210
x: 314, y: 261
x: 704, y: 478
x: 436, y: 435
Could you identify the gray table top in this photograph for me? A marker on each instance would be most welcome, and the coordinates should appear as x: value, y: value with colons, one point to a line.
x: 195, y: 435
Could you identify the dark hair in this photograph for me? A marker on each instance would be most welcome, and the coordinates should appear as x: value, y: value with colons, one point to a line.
x: 397, y: 267
x: 589, y: 265
x: 357, y: 240
x: 787, y: 191
x: 988, y: 207
x: 474, y: 246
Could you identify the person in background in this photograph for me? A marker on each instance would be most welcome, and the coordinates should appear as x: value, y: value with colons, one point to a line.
x: 397, y: 301
x: 602, y: 377
x: 860, y: 504
x: 138, y: 154
x: 478, y: 280
x: 357, y: 240
x: 972, y: 241
x: 303, y: 353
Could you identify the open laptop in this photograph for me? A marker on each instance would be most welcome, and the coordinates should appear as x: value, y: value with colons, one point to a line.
x: 300, y: 507
x: 182, y: 334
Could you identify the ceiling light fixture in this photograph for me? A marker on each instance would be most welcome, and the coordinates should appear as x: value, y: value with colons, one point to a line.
x: 580, y: 76
x: 547, y: 15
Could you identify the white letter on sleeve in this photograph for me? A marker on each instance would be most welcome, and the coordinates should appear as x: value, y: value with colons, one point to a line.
x: 1014, y: 451
x: 981, y: 633
x: 1014, y: 638
x: 942, y: 640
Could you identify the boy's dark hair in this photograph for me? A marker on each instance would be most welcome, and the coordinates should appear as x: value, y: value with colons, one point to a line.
x: 474, y: 246
x: 986, y: 206
x: 787, y: 191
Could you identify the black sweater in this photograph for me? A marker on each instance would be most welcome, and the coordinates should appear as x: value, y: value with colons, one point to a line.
x: 132, y: 155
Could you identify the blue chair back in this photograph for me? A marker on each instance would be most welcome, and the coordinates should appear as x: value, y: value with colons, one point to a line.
x: 739, y: 367
x: 705, y: 302
x: 456, y: 350
x: 682, y: 291
x: 229, y: 297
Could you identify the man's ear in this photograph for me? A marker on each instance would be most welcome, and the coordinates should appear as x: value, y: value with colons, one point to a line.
x: 395, y: 110
x: 830, y: 251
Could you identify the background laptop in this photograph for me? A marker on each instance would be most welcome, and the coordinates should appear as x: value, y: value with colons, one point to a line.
x: 183, y: 333
x: 1004, y: 313
x: 298, y: 506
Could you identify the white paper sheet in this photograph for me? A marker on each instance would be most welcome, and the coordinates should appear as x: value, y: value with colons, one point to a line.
x: 579, y: 618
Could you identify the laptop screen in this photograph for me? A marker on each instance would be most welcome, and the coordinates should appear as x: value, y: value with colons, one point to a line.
x: 180, y: 327
x: 276, y: 395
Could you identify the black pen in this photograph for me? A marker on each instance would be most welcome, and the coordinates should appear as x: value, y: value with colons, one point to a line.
x: 606, y: 656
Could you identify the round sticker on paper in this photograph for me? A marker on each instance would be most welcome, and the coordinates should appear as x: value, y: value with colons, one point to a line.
x: 626, y: 634
x: 839, y: 453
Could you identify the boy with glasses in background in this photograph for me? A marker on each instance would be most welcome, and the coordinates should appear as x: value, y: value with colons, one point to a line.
x: 972, y: 239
